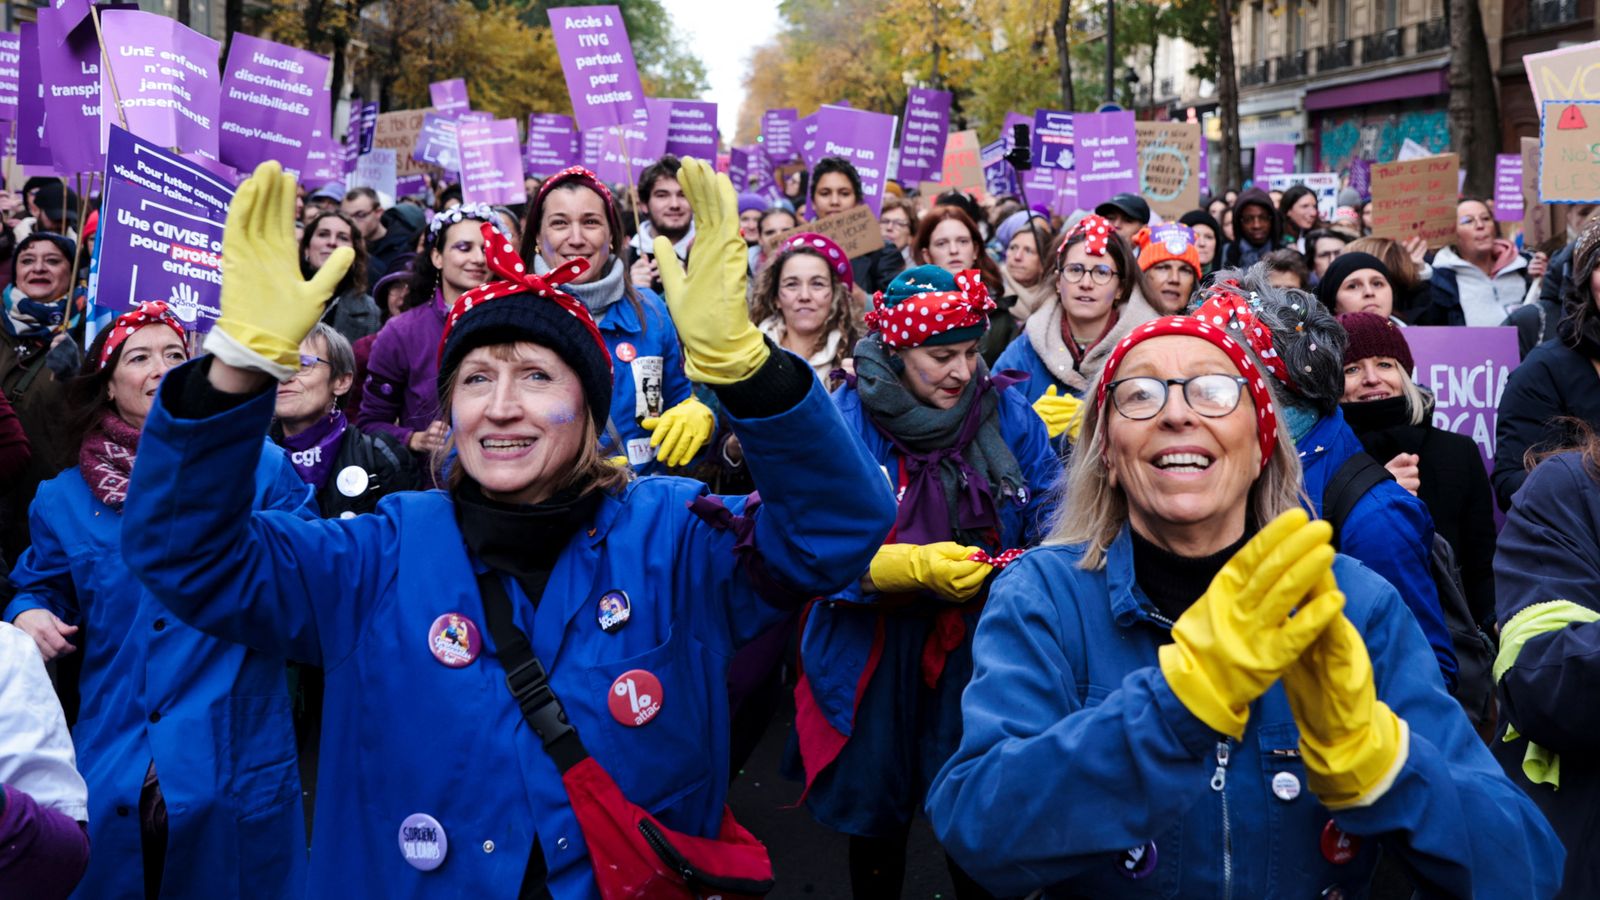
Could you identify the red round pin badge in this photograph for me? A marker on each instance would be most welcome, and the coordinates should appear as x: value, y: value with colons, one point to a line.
x: 634, y: 698
x: 1337, y: 846
x: 626, y: 352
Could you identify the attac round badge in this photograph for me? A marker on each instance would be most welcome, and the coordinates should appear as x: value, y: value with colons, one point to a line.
x: 454, y: 640
x: 635, y: 698
x: 423, y: 842
x: 613, y: 611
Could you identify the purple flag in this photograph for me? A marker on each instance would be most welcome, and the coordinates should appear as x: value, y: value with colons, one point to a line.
x: 597, y: 60
x: 10, y: 74
x: 646, y: 140
x: 449, y: 96
x: 491, y: 163
x: 1508, y: 187
x: 31, y: 147
x: 162, y: 82
x: 739, y: 168
x: 1273, y: 159
x: 552, y: 144
x: 778, y: 130
x: 270, y: 98
x: 927, y: 125
x: 1052, y: 139
x: 160, y: 232
x: 863, y: 138
x: 1107, y: 156
x: 71, y: 77
x: 692, y: 129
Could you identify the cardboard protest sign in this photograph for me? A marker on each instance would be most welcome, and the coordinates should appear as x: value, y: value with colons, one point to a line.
x: 1570, y: 73
x: 271, y: 94
x: 692, y: 128
x: 160, y: 234
x: 1324, y: 184
x: 597, y: 59
x: 399, y: 131
x: 1169, y: 174
x: 491, y: 163
x: 864, y: 138
x: 1466, y: 369
x: 780, y: 134
x: 10, y: 74
x: 1538, y: 220
x: 552, y: 144
x: 31, y: 147
x: 1107, y: 158
x: 922, y: 134
x: 376, y: 170
x: 449, y: 97
x: 1052, y: 139
x: 1508, y: 187
x: 436, y: 142
x: 1416, y: 198
x: 71, y: 78
x: 963, y: 165
x: 1569, y: 152
x: 1273, y: 159
x: 855, y: 230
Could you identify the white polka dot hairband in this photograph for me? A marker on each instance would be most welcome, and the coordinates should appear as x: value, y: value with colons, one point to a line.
x: 1098, y: 232
x: 480, y: 212
x: 150, y: 312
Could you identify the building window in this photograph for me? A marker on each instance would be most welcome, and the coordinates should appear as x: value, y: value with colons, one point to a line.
x: 1338, y: 20
x: 1295, y: 18
x: 1388, y: 14
x: 1258, y: 28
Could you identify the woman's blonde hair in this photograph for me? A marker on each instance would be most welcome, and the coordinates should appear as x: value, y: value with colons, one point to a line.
x: 590, y: 469
x: 1417, y: 402
x: 1091, y: 511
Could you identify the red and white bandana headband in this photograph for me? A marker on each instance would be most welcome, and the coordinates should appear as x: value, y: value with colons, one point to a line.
x: 150, y: 312
x: 574, y: 173
x: 912, y: 321
x: 837, y: 261
x: 1099, y: 235
x: 515, y: 279
x: 1225, y: 307
x: 1266, y: 416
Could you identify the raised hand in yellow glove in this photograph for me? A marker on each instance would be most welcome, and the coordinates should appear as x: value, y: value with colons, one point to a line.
x: 1060, y: 412
x: 1353, y: 744
x: 680, y: 432
x: 267, y: 306
x: 1238, y: 638
x: 943, y: 568
x: 720, y: 346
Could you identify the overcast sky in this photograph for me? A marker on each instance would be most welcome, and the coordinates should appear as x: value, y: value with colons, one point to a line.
x: 722, y: 36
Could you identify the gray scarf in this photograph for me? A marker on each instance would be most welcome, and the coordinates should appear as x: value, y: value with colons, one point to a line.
x: 958, y: 452
x: 597, y: 295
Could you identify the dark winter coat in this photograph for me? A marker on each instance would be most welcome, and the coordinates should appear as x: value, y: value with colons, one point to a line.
x: 873, y: 271
x: 40, y: 402
x: 1555, y: 381
x: 1233, y: 252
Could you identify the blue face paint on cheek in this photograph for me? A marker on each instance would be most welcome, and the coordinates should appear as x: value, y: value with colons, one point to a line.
x: 563, y: 417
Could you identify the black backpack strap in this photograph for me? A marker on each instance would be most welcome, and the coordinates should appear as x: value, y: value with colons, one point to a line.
x: 541, y: 708
x: 1357, y: 475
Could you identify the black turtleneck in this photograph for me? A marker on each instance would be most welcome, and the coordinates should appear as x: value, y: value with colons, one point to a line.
x: 519, y: 539
x: 1173, y: 582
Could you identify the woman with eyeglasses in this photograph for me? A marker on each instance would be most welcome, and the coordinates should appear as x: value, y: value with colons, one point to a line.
x: 1063, y: 343
x: 1185, y: 692
x: 184, y: 739
x: 898, y: 222
x: 1482, y: 277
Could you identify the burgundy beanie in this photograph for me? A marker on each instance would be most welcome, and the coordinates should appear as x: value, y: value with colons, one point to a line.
x: 1373, y: 335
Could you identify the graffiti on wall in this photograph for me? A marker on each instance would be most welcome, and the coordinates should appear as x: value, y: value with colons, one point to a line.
x: 1379, y: 137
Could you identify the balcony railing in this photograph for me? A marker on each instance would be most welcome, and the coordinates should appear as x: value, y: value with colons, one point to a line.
x: 1167, y: 88
x: 1544, y: 14
x: 1381, y: 47
x: 1335, y: 56
x: 1253, y: 74
x: 1434, y: 35
x: 1292, y: 65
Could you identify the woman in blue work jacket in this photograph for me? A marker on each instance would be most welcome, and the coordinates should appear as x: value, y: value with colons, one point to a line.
x: 656, y: 422
x: 185, y: 740
x: 431, y: 783
x: 885, y: 660
x: 1185, y: 692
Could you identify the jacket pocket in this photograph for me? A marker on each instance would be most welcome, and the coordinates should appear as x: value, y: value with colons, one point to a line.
x: 256, y: 753
x: 272, y: 854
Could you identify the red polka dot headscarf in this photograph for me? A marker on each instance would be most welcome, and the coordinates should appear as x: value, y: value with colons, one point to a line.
x: 837, y: 261
x: 1256, y: 384
x: 928, y: 305
x: 151, y: 312
x: 1097, y: 232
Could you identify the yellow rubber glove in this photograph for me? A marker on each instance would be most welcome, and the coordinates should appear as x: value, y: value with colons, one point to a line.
x: 720, y: 346
x: 1353, y: 744
x: 680, y: 432
x: 1237, y: 639
x: 943, y: 568
x: 1060, y: 413
x: 267, y: 307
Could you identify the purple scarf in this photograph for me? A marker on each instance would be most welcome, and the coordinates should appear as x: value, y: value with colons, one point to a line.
x: 313, y: 451
x: 105, y: 459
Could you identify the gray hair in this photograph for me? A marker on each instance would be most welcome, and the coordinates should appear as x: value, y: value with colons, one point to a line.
x: 1307, y: 337
x: 341, y: 356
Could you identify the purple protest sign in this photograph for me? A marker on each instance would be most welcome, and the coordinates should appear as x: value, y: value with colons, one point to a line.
x: 161, y: 83
x: 999, y: 179
x: 68, y: 15
x: 449, y: 96
x: 1052, y: 139
x: 646, y: 140
x: 1273, y: 159
x: 270, y: 101
x: 864, y: 138
x: 763, y: 180
x: 10, y: 74
x: 324, y: 161
x: 71, y: 78
x: 31, y: 147
x: 552, y: 144
x: 160, y: 234
x: 692, y: 129
x: 369, y: 124
x: 491, y: 163
x: 778, y: 135
x: 597, y: 60
x: 411, y: 186
x: 806, y: 128
x: 436, y: 142
x: 1205, y: 165
x: 471, y: 116
x: 1361, y: 177
x: 1466, y: 369
x: 1042, y: 187
x: 922, y: 137
x: 1107, y: 156
x: 739, y: 168
x: 352, y: 134
x: 1508, y: 187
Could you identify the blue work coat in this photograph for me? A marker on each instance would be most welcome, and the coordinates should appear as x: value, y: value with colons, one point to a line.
x: 641, y: 351
x: 405, y: 734
x: 212, y: 715
x: 1019, y: 356
x: 1076, y: 751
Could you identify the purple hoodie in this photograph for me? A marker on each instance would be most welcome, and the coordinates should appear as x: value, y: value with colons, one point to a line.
x: 402, y: 373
